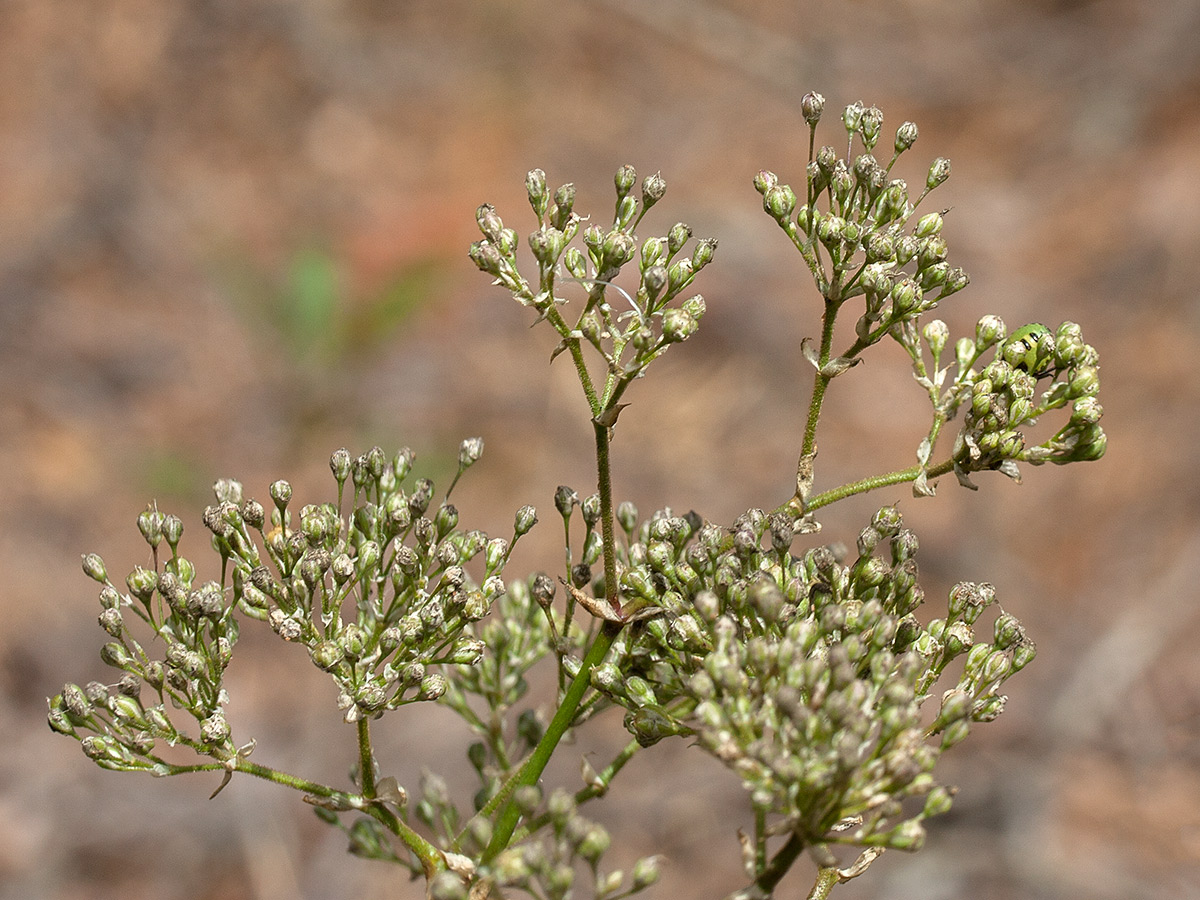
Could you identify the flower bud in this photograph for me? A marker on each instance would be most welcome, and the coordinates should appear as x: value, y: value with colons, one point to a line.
x: 906, y: 136
x: 706, y: 248
x: 812, y: 105
x: 654, y: 187
x: 939, y: 171
x: 489, y: 223
x: 624, y: 180
x: 564, y: 203
x: 852, y: 117
x: 535, y: 187
x: 93, y: 567
x: 678, y: 325
x: 779, y: 202
x: 764, y: 181
x: 929, y: 225
x: 646, y: 870
x: 432, y: 687
x: 870, y: 125
x: 679, y: 235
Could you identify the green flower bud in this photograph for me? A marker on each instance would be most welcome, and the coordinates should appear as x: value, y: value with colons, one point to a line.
x: 535, y: 187
x: 486, y: 257
x: 281, y: 493
x: 564, y: 203
x: 939, y: 171
x: 679, y: 275
x: 467, y: 652
x: 93, y: 567
x: 327, y: 655
x: 906, y: 136
x: 905, y: 295
x: 565, y: 499
x: 639, y: 691
x: 619, y: 247
x: 115, y: 655
x: 780, y: 202
x: 829, y: 230
x: 852, y: 117
x: 624, y: 180
x: 870, y: 125
x: 679, y: 235
x: 1085, y: 382
x: 489, y: 223
x: 879, y: 248
x: 678, y: 325
x: 547, y: 244
x: 765, y: 181
x: 574, y: 262
x: 646, y: 870
x: 172, y: 530
x: 706, y: 248
x: 929, y: 225
x: 214, y: 729
x: 1023, y: 655
x: 432, y: 687
x: 989, y: 331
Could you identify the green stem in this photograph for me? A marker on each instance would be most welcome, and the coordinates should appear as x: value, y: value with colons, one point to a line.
x: 822, y: 381
x: 531, y: 770
x: 585, y: 794
x: 825, y: 498
x: 826, y: 879
x: 366, y: 759
x: 431, y: 858
x: 607, y: 537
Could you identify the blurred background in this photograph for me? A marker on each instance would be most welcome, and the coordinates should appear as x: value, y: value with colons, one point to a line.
x: 233, y: 238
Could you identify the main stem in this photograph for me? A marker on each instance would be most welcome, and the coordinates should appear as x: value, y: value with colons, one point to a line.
x: 531, y: 770
x: 821, y: 382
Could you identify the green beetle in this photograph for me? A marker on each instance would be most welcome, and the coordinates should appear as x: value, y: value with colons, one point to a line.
x: 1031, y: 348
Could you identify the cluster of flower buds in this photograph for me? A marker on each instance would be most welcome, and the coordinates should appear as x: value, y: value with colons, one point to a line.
x: 807, y: 676
x: 378, y: 596
x: 853, y: 225
x: 645, y: 323
x: 1004, y: 398
x: 548, y: 865
x: 196, y: 630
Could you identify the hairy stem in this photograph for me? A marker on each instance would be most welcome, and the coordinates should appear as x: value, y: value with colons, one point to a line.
x: 864, y: 485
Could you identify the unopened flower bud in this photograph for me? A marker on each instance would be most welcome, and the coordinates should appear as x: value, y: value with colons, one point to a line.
x: 939, y: 171
x: 906, y: 136
x: 281, y: 493
x: 624, y: 180
x: 645, y: 871
x: 929, y: 225
x: 936, y: 334
x: 489, y: 223
x: 678, y: 325
x: 779, y: 202
x: 812, y: 105
x: 679, y: 235
x: 870, y: 125
x: 654, y: 187
x: 765, y: 181
x: 535, y: 187
x: 93, y: 567
x: 703, y: 254
x: 852, y: 117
